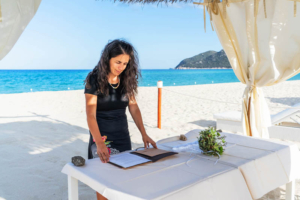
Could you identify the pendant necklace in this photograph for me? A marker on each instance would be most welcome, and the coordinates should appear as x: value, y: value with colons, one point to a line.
x: 116, y: 86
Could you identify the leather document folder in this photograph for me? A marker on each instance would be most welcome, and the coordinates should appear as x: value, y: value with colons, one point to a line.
x: 153, y: 154
x: 130, y: 159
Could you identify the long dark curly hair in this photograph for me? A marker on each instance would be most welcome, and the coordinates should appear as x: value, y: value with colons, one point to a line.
x: 128, y: 78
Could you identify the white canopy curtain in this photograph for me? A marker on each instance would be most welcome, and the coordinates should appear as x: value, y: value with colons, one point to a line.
x: 262, y: 42
x: 14, y: 17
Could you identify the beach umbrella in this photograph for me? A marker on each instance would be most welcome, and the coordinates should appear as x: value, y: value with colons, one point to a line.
x: 261, y: 39
x: 14, y: 17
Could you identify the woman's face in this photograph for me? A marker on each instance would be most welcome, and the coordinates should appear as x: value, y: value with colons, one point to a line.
x: 118, y: 64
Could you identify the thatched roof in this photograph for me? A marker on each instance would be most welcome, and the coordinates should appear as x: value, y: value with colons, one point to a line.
x: 209, y: 5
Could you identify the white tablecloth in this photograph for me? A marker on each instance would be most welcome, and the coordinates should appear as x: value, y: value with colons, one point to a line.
x: 248, y: 169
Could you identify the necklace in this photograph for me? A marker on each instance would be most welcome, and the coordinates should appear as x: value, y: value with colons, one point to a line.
x: 116, y: 86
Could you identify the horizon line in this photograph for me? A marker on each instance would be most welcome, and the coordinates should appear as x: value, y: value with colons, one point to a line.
x: 77, y: 69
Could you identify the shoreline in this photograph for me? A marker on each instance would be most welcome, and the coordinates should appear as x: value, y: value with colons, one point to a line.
x: 142, y: 87
x: 203, y: 68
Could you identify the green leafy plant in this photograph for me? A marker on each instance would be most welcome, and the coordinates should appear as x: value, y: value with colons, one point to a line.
x: 211, y: 142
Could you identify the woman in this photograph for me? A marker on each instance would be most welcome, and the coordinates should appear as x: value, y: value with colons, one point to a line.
x: 110, y: 88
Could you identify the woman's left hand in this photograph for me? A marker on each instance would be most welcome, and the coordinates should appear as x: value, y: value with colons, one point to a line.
x: 147, y: 140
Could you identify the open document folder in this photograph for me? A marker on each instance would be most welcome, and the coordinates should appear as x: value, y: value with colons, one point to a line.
x: 130, y: 159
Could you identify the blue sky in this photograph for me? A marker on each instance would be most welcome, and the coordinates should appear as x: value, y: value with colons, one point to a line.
x: 70, y: 34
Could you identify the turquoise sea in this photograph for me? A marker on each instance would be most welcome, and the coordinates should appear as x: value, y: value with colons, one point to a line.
x: 19, y: 81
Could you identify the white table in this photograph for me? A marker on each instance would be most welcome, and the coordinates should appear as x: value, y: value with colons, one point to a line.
x: 247, y: 170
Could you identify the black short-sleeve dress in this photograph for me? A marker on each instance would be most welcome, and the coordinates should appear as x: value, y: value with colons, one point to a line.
x: 111, y: 118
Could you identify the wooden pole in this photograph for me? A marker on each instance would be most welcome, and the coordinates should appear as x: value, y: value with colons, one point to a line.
x: 248, y: 113
x: 159, y: 86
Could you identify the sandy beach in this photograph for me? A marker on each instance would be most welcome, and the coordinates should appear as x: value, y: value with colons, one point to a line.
x: 41, y: 131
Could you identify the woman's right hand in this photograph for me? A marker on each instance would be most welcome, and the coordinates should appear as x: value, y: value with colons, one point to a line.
x: 102, y: 152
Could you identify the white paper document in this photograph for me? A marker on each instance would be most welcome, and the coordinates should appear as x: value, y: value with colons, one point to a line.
x: 178, y: 143
x: 127, y: 160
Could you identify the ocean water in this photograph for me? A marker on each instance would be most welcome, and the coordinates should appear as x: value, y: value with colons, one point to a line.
x: 20, y: 81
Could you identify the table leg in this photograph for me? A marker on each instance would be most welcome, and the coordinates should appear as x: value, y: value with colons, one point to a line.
x: 72, y: 188
x: 290, y: 190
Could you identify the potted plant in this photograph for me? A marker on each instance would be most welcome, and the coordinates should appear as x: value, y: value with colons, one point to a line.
x: 211, y: 142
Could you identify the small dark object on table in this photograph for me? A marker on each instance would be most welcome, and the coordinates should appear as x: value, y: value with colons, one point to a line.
x: 78, y: 161
x: 182, y: 137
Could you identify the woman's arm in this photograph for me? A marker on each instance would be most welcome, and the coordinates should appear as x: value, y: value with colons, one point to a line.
x: 91, y: 106
x: 137, y: 117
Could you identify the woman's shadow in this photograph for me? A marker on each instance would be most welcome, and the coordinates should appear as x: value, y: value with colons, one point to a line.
x: 33, y: 154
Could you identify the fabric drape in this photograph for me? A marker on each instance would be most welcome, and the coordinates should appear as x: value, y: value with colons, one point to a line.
x: 14, y: 17
x: 262, y: 42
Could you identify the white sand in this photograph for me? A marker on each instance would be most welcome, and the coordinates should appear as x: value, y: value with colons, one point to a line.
x: 40, y: 132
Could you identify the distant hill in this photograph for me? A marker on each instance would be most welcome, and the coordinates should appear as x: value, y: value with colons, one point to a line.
x: 208, y: 59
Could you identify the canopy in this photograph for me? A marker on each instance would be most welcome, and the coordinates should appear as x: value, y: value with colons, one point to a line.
x: 14, y: 17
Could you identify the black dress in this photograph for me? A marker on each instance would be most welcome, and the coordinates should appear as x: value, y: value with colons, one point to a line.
x: 111, y: 118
